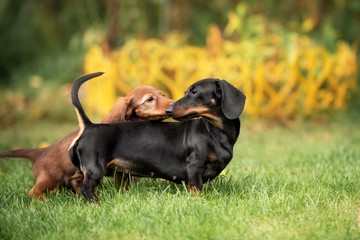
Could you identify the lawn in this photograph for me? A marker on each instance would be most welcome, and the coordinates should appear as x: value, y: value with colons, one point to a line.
x: 301, y: 182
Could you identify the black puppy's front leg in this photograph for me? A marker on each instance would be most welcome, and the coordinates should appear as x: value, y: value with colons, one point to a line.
x: 195, y: 170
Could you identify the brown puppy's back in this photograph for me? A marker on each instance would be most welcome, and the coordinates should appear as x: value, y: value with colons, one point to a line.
x: 52, y: 165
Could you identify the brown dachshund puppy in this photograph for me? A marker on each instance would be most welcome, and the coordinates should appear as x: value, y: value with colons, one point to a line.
x: 52, y: 166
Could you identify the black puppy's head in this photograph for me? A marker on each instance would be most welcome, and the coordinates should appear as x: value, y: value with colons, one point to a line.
x: 210, y: 98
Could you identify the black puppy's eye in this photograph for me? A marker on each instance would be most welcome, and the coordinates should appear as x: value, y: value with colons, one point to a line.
x: 194, y: 91
x: 149, y: 99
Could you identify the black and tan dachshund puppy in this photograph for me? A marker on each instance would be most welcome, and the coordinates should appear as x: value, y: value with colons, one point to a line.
x: 193, y: 151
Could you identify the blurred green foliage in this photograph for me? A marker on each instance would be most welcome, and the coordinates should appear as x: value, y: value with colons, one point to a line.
x: 333, y: 19
x: 49, y: 37
x: 36, y: 34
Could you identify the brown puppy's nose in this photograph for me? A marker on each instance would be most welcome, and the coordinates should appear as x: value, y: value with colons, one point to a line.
x: 169, y: 110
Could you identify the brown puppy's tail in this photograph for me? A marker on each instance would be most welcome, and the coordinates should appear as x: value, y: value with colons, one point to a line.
x: 32, y: 154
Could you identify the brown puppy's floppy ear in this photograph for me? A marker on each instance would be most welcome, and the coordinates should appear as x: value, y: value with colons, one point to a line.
x: 232, y: 101
x: 118, y: 113
x: 126, y: 110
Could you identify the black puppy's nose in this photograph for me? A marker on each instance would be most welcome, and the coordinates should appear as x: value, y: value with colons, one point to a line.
x: 169, y: 110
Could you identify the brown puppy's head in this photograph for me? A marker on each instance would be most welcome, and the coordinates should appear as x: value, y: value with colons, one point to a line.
x: 141, y: 104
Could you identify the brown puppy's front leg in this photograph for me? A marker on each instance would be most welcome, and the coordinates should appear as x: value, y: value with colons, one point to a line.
x: 74, y: 183
x: 122, y: 180
x: 44, y: 183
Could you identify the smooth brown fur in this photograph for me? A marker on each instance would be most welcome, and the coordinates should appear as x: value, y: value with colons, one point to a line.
x: 52, y: 166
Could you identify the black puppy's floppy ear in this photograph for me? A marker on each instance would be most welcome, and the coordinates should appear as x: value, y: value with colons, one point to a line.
x: 233, y: 100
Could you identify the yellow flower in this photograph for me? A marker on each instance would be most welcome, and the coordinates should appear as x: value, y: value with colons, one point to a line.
x: 43, y: 144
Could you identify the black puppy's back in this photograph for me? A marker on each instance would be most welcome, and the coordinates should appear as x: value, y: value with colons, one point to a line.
x: 140, y: 154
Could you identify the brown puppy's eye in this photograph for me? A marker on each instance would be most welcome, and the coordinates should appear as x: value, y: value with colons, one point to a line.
x: 149, y: 99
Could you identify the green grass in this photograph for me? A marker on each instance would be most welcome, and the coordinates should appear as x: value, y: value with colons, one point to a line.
x: 300, y: 183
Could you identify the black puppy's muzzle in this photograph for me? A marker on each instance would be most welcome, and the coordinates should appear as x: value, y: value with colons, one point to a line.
x: 169, y: 110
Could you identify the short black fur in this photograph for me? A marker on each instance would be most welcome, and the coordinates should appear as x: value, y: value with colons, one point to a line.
x: 193, y: 151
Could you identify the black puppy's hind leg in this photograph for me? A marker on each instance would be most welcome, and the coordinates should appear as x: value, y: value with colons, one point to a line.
x: 92, y: 178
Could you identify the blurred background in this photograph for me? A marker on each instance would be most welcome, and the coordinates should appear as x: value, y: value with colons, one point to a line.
x: 293, y: 59
x: 295, y: 172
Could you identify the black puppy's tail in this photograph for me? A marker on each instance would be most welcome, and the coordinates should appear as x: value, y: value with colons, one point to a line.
x: 82, y: 117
